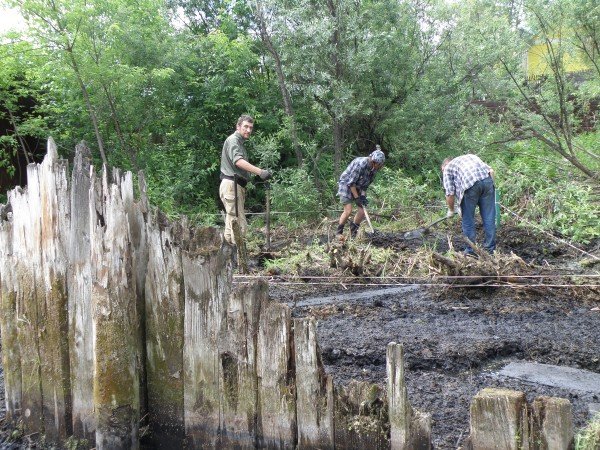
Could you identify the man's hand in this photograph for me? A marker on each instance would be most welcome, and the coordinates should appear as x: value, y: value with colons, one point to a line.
x: 458, y: 211
x: 358, y: 201
x: 449, y: 213
x: 265, y: 175
x: 363, y: 200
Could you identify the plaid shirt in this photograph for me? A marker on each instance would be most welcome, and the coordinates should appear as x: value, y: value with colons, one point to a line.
x: 359, y: 173
x: 463, y: 172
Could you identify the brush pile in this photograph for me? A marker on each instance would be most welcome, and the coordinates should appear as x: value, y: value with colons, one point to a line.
x: 511, y: 271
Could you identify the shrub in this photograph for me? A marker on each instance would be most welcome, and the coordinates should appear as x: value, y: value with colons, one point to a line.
x: 543, y: 191
x: 294, y: 197
x: 588, y: 438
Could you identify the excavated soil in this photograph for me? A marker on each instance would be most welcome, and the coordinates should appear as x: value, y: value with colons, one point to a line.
x: 457, y: 339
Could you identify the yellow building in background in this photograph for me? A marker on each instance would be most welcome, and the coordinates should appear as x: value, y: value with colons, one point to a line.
x: 538, y: 61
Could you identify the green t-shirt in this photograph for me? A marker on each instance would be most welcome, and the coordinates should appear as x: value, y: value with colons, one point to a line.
x: 233, y: 151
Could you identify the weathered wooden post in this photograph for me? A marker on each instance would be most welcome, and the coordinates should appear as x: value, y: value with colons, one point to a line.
x: 26, y: 237
x: 164, y: 332
x: 410, y: 429
x: 361, y: 416
x: 81, y: 324
x: 276, y: 383
x: 206, y: 287
x: 34, y: 300
x: 314, y: 398
x: 499, y: 420
x: 552, y: 424
x: 135, y: 211
x: 116, y: 321
x: 54, y: 218
x: 238, y: 353
x: 11, y: 354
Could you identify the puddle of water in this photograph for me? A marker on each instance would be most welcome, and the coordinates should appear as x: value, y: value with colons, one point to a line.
x: 556, y: 376
x: 366, y: 295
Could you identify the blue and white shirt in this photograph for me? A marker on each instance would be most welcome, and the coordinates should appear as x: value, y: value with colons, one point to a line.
x: 462, y: 173
x: 359, y: 173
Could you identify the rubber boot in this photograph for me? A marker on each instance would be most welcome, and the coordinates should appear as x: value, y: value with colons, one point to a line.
x: 353, y: 229
x: 340, y: 228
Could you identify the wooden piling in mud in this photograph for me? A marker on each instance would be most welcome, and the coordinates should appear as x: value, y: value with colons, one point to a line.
x: 164, y: 332
x: 498, y: 419
x: 54, y: 213
x: 276, y: 389
x: 114, y: 298
x: 409, y: 429
x: 502, y: 419
x: 551, y: 423
x: 81, y: 325
x: 11, y: 354
x: 26, y: 239
x: 314, y: 390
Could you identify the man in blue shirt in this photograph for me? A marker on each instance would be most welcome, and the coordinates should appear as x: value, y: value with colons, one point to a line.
x: 469, y: 183
x: 352, y: 188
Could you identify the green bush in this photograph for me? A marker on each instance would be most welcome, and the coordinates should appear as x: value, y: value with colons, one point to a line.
x: 546, y: 192
x: 588, y: 438
x: 411, y: 201
x: 294, y: 197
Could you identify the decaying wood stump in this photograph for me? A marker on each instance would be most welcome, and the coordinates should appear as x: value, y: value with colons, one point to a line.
x: 361, y: 421
x: 116, y: 317
x: 502, y: 419
x: 165, y: 303
x: 11, y: 354
x: 314, y: 390
x: 499, y: 420
x: 409, y: 429
x: 551, y: 423
x: 276, y: 422
x: 81, y: 325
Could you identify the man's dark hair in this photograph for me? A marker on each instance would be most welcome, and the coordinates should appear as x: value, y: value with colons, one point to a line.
x: 245, y: 118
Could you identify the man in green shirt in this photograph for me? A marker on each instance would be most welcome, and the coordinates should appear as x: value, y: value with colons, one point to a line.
x: 235, y: 172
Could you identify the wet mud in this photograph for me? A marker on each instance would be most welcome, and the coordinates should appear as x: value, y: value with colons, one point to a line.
x: 456, y: 340
x: 455, y: 346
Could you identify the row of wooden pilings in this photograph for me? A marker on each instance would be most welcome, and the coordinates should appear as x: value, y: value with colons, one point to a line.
x: 120, y: 327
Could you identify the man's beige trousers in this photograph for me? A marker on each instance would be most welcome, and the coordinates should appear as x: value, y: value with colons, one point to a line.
x: 227, y: 194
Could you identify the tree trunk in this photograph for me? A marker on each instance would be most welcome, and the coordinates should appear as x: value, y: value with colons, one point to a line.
x: 88, y: 103
x: 337, y: 75
x: 285, y: 93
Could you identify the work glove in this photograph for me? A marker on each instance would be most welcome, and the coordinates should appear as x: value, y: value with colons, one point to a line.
x: 265, y: 175
x: 458, y: 211
x: 358, y: 201
x: 449, y: 213
x: 363, y: 200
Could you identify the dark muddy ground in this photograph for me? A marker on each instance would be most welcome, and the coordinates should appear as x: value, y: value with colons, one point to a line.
x: 454, y: 344
x: 456, y: 339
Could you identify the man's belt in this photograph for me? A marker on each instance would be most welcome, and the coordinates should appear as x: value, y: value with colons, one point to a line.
x: 241, y: 181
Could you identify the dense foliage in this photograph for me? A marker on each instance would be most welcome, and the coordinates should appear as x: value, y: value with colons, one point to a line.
x: 157, y: 86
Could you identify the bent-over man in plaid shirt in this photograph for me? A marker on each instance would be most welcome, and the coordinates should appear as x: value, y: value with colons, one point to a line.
x: 352, y: 188
x: 469, y: 183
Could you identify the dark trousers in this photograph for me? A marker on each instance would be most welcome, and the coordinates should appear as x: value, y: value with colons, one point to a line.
x: 482, y: 194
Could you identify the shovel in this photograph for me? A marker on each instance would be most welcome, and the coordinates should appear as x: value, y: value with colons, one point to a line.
x: 419, y: 232
x: 368, y: 219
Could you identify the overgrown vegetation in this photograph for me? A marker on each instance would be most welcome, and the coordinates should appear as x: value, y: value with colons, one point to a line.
x: 588, y: 438
x: 158, y: 86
